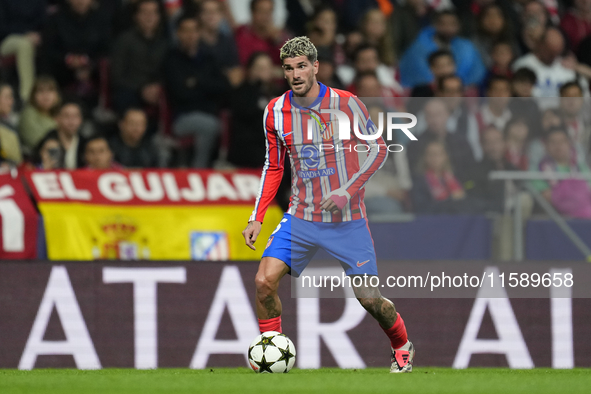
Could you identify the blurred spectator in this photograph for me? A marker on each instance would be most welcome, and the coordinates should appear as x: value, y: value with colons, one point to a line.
x: 20, y: 24
x: 8, y: 118
x: 125, y: 16
x: 437, y: 116
x: 10, y: 148
x: 435, y: 188
x: 247, y: 103
x: 461, y: 120
x: 493, y: 26
x: 523, y: 82
x: 375, y: 30
x: 576, y: 23
x: 495, y: 195
x: 300, y: 12
x: 195, y: 86
x: 441, y: 63
x: 239, y: 11
x: 495, y: 110
x: 327, y: 71
x: 77, y: 35
x: 352, y: 12
x: 130, y: 146
x: 368, y: 85
x: 517, y: 138
x: 366, y: 59
x: 194, y: 7
x: 69, y: 120
x: 37, y: 118
x: 546, y: 62
x: 570, y: 197
x: 387, y: 190
x: 414, y: 69
x: 173, y: 7
x: 137, y: 58
x: 522, y: 104
x: 490, y: 192
x: 406, y: 22
x: 322, y: 31
x: 220, y: 43
x: 502, y: 55
x: 353, y: 40
x: 575, y: 114
x: 49, y: 155
x: 584, y: 51
x: 551, y: 118
x: 98, y: 155
x: 534, y: 21
x: 261, y: 34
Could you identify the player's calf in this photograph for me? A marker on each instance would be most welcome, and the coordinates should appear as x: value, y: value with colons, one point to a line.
x: 268, y: 304
x: 383, y: 310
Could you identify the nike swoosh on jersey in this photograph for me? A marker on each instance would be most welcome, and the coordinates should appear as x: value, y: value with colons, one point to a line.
x: 286, y: 134
x: 364, y: 262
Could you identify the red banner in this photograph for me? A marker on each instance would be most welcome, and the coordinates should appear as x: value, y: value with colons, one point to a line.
x: 153, y: 187
x: 18, y: 220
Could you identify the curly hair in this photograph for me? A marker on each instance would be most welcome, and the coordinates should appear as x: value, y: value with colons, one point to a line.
x: 299, y: 46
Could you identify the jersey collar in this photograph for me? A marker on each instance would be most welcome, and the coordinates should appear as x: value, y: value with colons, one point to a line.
x: 315, y: 103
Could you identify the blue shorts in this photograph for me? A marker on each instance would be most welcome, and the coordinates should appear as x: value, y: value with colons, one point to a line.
x: 295, y: 242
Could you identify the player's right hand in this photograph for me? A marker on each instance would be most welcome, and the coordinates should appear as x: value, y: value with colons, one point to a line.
x: 251, y: 232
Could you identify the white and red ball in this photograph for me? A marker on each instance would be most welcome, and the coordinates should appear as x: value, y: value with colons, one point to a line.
x: 271, y: 352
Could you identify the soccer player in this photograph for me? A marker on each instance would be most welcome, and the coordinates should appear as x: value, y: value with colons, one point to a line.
x: 326, y: 208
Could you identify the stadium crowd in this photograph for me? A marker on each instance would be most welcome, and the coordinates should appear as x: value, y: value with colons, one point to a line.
x: 496, y: 85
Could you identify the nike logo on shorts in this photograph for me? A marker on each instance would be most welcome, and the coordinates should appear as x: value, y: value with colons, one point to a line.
x: 360, y: 264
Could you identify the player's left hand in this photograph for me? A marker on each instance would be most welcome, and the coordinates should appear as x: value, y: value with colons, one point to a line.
x: 333, y: 203
x: 251, y: 232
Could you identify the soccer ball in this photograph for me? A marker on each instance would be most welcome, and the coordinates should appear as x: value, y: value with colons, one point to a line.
x: 271, y: 352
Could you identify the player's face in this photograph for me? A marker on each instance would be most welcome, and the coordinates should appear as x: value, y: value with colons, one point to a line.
x: 300, y: 74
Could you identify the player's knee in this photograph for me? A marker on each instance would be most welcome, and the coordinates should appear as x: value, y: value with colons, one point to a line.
x: 264, y: 285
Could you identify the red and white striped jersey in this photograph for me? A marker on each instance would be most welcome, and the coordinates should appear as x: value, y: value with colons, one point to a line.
x: 323, y: 164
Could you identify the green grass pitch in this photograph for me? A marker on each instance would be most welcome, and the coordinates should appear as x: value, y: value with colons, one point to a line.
x: 325, y: 381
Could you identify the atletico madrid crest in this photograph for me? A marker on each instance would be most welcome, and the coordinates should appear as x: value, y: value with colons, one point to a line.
x: 328, y: 131
x: 269, y: 242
